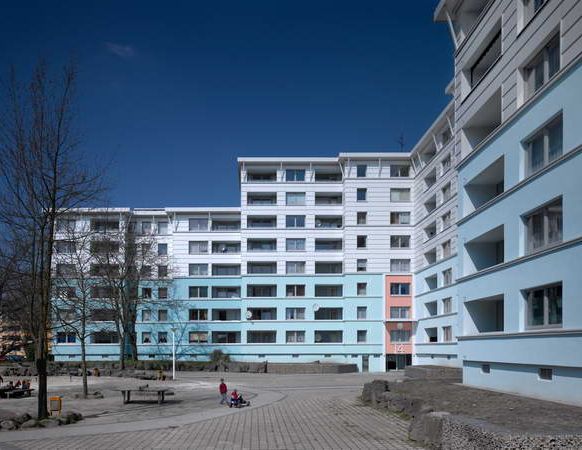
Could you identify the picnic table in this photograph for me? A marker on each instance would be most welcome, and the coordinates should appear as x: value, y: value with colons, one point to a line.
x: 159, y: 391
x: 19, y: 392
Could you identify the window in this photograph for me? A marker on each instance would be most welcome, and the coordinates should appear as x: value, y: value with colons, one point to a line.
x: 65, y: 225
x: 446, y: 192
x: 486, y: 60
x: 399, y: 288
x: 262, y: 313
x: 198, y: 337
x: 485, y: 368
x: 225, y: 247
x: 196, y: 270
x: 162, y: 292
x: 66, y: 338
x: 261, y: 290
x: 446, y: 220
x: 445, y: 164
x: 66, y: 247
x: 162, y: 315
x: 197, y: 247
x: 447, y: 305
x: 328, y: 337
x: 225, y: 225
x: 198, y: 224
x: 361, y: 170
x: 531, y: 7
x: 544, y: 227
x: 162, y: 227
x: 323, y: 290
x: 328, y: 221
x: 362, y: 312
x: 198, y: 292
x: 162, y: 271
x: 226, y: 337
x: 146, y: 337
x: 399, y: 336
x: 399, y: 265
x: 162, y: 249
x: 295, y: 245
x: 261, y: 267
x: 447, y: 334
x: 544, y: 147
x: 295, y: 198
x: 399, y: 312
x: 226, y: 314
x: 362, y: 336
x: 294, y: 337
x: 295, y: 221
x: 295, y: 314
x: 295, y: 175
x: 146, y: 228
x: 261, y: 337
x: 261, y: 198
x: 399, y: 171
x: 146, y: 315
x: 146, y: 292
x: 103, y: 315
x: 105, y: 337
x: 295, y: 290
x: 361, y: 241
x: 328, y: 267
x: 228, y: 270
x: 542, y: 67
x: 361, y: 194
x: 544, y: 306
x: 104, y: 225
x: 400, y: 241
x: 447, y: 277
x: 399, y: 195
x: 198, y: 314
x: 362, y: 218
x: 446, y: 249
x: 262, y: 222
x: 362, y: 289
x: 261, y: 245
x: 361, y: 265
x: 400, y: 218
x: 326, y: 245
x: 545, y: 373
x: 293, y: 267
x: 226, y: 292
x: 162, y: 337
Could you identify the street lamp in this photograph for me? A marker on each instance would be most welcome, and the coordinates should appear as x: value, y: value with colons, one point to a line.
x: 173, y: 330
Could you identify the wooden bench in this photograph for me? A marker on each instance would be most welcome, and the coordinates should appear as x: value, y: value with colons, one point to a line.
x: 160, y: 392
x: 16, y: 393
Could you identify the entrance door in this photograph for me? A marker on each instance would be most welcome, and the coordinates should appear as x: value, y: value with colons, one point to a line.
x: 365, y: 363
x: 400, y: 362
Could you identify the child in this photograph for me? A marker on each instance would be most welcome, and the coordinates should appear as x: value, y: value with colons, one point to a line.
x: 234, y: 399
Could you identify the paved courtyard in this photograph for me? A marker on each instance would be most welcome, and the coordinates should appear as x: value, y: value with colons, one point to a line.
x: 287, y: 412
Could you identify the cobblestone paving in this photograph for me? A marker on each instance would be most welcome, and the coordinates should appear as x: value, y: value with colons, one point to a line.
x: 302, y: 420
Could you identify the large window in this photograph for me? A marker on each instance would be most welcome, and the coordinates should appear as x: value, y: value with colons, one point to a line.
x: 447, y: 277
x: 261, y: 245
x: 261, y: 291
x: 162, y: 249
x: 400, y: 218
x: 328, y: 336
x: 399, y: 195
x: 295, y: 337
x: 544, y: 226
x: 295, y: 314
x: 544, y: 306
x: 198, y: 291
x: 399, y: 312
x: 261, y: 267
x: 361, y: 170
x: 65, y: 247
x: 399, y: 288
x: 361, y: 194
x: 295, y: 221
x: 198, y: 337
x: 400, y: 241
x: 399, y: 265
x: 362, y: 218
x: 544, y: 147
x: 196, y: 270
x: 361, y: 265
x: 295, y: 245
x: 228, y: 270
x: 197, y: 247
x: 362, y: 289
x: 198, y: 224
x: 294, y: 267
x: 295, y: 198
x: 362, y: 336
x: 198, y: 314
x: 295, y: 290
x: 105, y: 337
x: 399, y: 335
x: 328, y: 267
x: 400, y: 171
x: 447, y: 334
x: 361, y: 241
x: 261, y: 337
x: 362, y: 312
x: 295, y: 175
x: 324, y: 290
x: 542, y: 67
x: 329, y: 314
x: 225, y: 292
x: 225, y: 247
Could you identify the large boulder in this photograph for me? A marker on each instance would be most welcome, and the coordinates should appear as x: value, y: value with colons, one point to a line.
x: 372, y: 391
x: 8, y: 425
x: 72, y: 416
x: 32, y: 423
x: 49, y: 423
x: 21, y: 418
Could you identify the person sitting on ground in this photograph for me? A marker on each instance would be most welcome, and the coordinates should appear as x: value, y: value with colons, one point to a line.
x: 242, y: 402
x: 234, y: 399
x: 25, y: 384
x: 10, y: 385
x: 18, y: 384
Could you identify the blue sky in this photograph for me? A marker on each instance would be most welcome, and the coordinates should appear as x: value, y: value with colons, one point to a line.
x: 172, y: 92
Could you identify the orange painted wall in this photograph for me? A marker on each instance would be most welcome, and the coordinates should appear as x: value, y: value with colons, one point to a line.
x: 397, y: 300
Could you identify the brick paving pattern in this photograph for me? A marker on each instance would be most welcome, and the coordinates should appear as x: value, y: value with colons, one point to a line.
x: 302, y: 420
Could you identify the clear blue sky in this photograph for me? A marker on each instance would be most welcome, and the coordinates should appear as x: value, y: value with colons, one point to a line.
x: 175, y: 91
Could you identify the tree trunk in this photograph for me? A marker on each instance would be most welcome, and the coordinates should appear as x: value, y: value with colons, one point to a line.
x: 84, y: 368
x: 41, y: 359
x: 122, y: 352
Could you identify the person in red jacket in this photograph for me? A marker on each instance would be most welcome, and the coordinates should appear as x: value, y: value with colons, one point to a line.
x: 234, y: 399
x: 223, y: 391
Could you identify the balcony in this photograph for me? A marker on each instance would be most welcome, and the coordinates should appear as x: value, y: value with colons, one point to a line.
x: 486, y: 315
x: 328, y: 221
x: 262, y: 313
x: 262, y: 245
x: 261, y: 290
x: 262, y: 222
x: 261, y: 199
x: 322, y: 176
x: 262, y: 176
x: 430, y: 257
x: 226, y: 337
x: 324, y: 290
x: 329, y: 314
x: 328, y: 245
x: 485, y: 186
x: 485, y: 251
x: 226, y: 248
x: 225, y: 225
x: 328, y: 267
x: 226, y: 292
x: 225, y: 314
x: 430, y: 179
x: 261, y: 268
x: 430, y: 205
x: 482, y: 123
x: 225, y: 270
x: 430, y: 231
x: 324, y: 199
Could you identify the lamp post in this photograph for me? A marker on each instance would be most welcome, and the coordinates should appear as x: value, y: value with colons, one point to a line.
x: 173, y: 329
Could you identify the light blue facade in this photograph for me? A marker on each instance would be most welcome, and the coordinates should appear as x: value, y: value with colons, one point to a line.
x: 510, y: 357
x: 348, y: 351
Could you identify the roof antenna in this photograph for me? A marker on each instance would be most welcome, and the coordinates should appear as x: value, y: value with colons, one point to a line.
x: 400, y: 141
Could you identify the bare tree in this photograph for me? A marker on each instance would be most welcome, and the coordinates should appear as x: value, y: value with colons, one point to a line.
x: 42, y: 176
x: 132, y: 267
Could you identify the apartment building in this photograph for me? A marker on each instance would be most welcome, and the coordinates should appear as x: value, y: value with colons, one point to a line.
x: 518, y: 107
